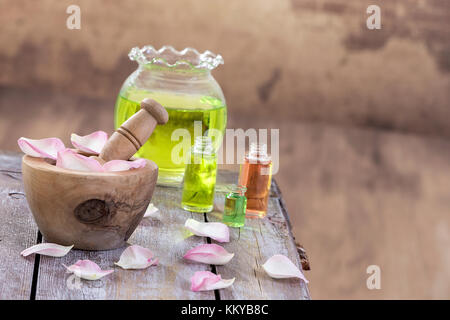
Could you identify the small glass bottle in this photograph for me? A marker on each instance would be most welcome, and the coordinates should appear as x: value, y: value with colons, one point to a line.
x: 200, y: 177
x: 235, y: 205
x: 256, y: 176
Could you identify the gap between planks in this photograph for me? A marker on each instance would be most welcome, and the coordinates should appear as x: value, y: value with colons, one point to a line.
x: 37, y: 260
x: 213, y: 267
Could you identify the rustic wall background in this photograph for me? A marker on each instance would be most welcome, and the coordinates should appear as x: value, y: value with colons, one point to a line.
x: 315, y: 57
x: 363, y: 115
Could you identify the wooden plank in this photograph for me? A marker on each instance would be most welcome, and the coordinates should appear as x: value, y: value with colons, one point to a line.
x: 164, y: 235
x: 253, y: 245
x: 17, y: 231
x: 170, y: 280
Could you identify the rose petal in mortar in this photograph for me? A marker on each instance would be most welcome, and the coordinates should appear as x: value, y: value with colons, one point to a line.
x: 69, y: 159
x: 43, y: 148
x: 91, y: 143
x: 123, y: 165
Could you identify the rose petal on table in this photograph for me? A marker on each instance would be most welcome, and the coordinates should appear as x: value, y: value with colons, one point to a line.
x: 151, y: 211
x: 209, y: 254
x: 43, y: 148
x: 69, y: 159
x: 215, y: 230
x: 88, y: 270
x: 47, y: 249
x: 123, y: 165
x: 136, y: 257
x: 205, y: 280
x: 91, y: 143
x: 280, y: 267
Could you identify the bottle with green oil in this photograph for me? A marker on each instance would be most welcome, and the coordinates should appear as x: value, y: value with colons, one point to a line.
x: 181, y: 81
x: 235, y: 206
x: 200, y: 177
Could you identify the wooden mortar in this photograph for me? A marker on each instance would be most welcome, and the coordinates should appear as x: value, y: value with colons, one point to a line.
x: 95, y: 210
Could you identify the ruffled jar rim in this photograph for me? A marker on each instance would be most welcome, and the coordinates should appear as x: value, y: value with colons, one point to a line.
x: 168, y: 56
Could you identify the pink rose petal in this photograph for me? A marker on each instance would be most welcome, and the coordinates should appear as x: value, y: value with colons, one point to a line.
x: 205, y: 280
x: 69, y: 159
x: 215, y: 230
x: 43, y: 148
x: 47, y: 249
x: 151, y: 211
x: 88, y: 270
x: 91, y: 143
x: 136, y: 257
x: 123, y: 165
x: 209, y: 254
x: 281, y: 267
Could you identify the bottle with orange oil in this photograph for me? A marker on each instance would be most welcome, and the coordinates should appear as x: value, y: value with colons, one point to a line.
x: 256, y: 176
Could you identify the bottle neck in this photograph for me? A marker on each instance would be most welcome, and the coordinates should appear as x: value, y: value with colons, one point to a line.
x: 238, y: 190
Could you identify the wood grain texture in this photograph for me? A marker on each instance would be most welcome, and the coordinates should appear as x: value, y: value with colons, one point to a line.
x: 90, y: 210
x: 163, y: 234
x: 253, y: 245
x: 17, y: 232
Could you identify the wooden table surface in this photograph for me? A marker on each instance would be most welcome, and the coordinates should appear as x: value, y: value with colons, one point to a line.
x: 42, y: 277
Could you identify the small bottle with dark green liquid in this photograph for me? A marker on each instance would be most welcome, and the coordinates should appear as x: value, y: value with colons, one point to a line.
x: 200, y: 177
x: 235, y: 206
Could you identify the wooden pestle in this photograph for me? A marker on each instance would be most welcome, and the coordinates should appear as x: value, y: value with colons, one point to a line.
x: 134, y: 132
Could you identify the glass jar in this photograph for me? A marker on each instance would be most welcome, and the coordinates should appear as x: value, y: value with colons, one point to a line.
x: 200, y: 177
x: 256, y: 175
x: 181, y: 81
x: 235, y: 206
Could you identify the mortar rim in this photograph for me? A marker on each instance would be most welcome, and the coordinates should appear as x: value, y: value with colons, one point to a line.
x: 44, y: 165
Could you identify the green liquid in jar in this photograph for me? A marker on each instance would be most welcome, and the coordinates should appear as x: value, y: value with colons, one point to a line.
x: 183, y: 110
x: 199, y: 183
x: 234, y: 211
